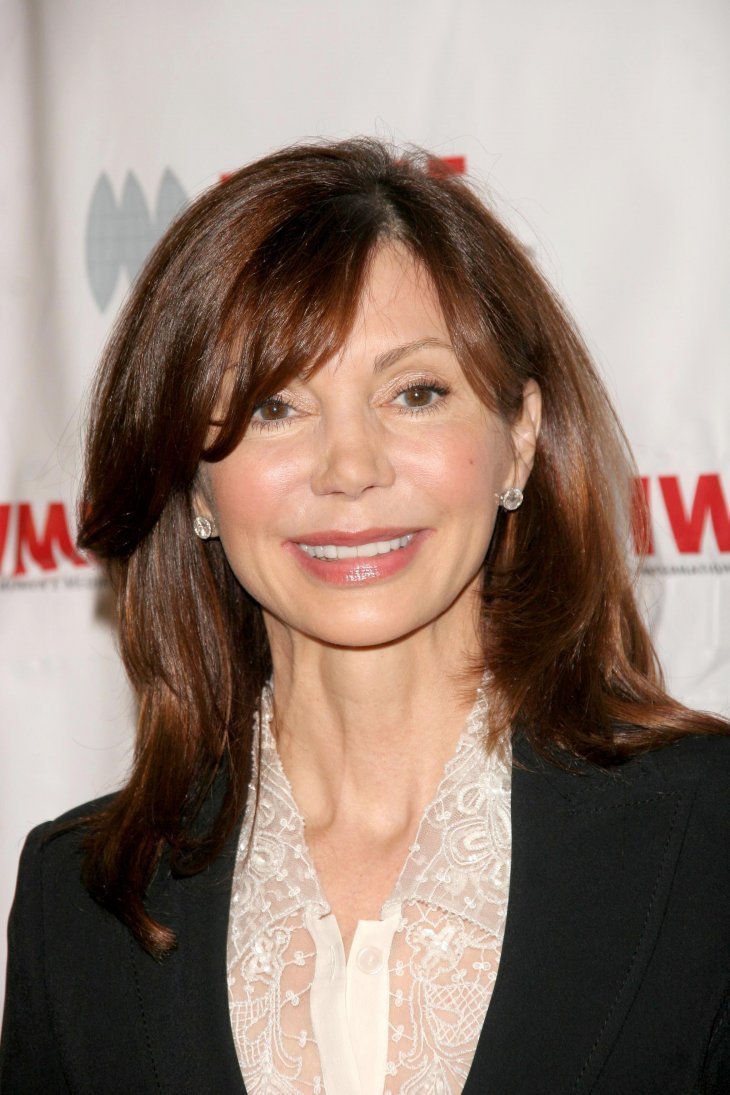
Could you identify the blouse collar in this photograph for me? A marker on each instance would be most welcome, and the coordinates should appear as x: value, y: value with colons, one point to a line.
x: 459, y: 860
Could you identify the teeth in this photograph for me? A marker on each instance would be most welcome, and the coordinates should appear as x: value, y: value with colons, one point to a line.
x: 362, y: 551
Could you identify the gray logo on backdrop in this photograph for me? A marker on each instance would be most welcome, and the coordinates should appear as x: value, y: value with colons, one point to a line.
x: 120, y: 235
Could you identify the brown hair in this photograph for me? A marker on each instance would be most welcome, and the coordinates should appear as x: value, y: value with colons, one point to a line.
x: 259, y: 279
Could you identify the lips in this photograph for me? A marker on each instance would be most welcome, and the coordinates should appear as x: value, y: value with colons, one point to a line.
x: 347, y: 558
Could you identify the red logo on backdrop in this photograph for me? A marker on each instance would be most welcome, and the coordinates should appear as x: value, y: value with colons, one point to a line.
x: 690, y: 514
x: 447, y: 165
x: 36, y: 541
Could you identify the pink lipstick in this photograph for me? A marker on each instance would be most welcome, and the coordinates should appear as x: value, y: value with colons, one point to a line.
x: 347, y: 558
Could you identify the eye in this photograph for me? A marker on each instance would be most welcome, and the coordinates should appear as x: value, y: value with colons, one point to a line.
x: 271, y: 411
x: 420, y: 396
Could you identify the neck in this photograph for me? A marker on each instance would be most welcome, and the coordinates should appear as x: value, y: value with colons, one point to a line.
x: 364, y: 734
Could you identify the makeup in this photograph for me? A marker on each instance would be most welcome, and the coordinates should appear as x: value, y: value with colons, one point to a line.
x: 346, y: 558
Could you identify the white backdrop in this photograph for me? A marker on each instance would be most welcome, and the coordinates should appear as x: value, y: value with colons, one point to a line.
x: 600, y: 131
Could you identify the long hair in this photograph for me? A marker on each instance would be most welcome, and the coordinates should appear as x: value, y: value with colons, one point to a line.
x: 258, y: 282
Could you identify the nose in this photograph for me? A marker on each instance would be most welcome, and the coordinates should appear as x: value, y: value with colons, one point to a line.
x: 351, y: 457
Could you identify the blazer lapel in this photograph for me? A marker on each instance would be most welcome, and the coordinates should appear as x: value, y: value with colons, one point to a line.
x: 592, y: 862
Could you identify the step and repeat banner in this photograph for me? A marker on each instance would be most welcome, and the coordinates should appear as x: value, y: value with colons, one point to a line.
x: 598, y: 130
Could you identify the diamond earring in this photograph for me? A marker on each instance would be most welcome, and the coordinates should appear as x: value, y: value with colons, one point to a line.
x: 204, y: 528
x: 511, y: 499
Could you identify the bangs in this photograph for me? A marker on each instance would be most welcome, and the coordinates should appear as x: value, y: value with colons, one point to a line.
x: 292, y: 306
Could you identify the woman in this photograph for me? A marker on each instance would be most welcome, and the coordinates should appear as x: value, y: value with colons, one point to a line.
x: 410, y: 810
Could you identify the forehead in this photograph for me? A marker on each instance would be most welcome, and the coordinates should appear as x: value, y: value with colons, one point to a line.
x: 398, y: 300
x: 398, y: 318
x: 397, y: 314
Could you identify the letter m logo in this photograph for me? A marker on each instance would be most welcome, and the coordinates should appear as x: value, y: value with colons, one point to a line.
x: 689, y: 518
x: 44, y: 543
x: 120, y: 235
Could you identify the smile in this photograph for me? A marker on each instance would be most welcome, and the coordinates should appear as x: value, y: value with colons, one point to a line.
x: 356, y: 551
x: 375, y: 555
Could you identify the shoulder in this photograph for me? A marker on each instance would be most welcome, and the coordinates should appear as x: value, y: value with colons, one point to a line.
x: 698, y: 767
x: 56, y: 846
x: 65, y: 954
x: 702, y: 759
x: 695, y: 767
x: 54, y: 920
x: 49, y: 885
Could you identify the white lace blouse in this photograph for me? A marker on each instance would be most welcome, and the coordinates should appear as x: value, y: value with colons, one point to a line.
x: 402, y: 1014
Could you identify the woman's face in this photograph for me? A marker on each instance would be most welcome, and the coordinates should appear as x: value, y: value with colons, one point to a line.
x: 360, y: 503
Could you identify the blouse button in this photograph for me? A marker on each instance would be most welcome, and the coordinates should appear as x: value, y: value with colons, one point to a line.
x: 370, y: 960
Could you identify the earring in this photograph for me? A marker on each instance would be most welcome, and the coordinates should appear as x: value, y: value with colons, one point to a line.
x: 204, y: 528
x: 511, y: 499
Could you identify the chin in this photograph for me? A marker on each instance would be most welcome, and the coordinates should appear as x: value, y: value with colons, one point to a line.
x: 359, y: 630
x: 353, y: 637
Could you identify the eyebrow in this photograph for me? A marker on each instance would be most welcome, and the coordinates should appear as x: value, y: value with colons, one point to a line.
x: 391, y: 357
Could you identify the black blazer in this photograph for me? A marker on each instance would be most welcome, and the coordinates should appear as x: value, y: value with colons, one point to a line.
x: 614, y: 977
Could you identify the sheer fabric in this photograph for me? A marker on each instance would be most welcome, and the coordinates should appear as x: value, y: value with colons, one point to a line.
x: 403, y: 1012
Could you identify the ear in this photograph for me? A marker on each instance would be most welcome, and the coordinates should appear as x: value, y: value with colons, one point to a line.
x: 201, y: 497
x: 524, y: 432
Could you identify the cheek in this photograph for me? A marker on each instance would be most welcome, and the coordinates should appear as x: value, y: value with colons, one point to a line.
x: 248, y: 496
x: 465, y: 468
x: 249, y: 501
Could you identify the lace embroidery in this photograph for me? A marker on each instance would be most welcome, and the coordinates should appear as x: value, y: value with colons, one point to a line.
x: 452, y: 897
